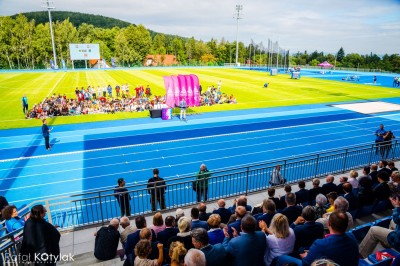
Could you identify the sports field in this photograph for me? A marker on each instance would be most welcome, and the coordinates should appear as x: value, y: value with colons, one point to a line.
x: 246, y: 86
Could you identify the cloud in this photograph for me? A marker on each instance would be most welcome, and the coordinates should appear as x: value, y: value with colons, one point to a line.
x: 359, y: 26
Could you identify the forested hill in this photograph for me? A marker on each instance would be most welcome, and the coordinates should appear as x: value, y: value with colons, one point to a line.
x: 76, y: 19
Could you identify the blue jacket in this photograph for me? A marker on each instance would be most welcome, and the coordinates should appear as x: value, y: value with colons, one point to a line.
x: 216, y: 236
x: 133, y: 239
x: 199, y: 224
x: 14, y: 224
x: 302, y: 196
x: 215, y: 255
x: 246, y: 249
x: 45, y: 130
x: 292, y: 212
x: 394, y: 237
x: 342, y: 249
x: 306, y: 234
x: 236, y: 224
x: 166, y: 234
x: 224, y: 213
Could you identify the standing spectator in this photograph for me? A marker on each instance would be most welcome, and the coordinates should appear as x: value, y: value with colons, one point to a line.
x: 306, y: 230
x: 223, y: 212
x: 376, y: 234
x: 249, y: 247
x: 379, y: 133
x: 280, y: 238
x: 109, y: 90
x: 148, y: 91
x: 303, y: 194
x: 143, y: 249
x: 156, y: 188
x: 195, y: 257
x: 215, y: 254
x: 202, y: 183
x: 117, y: 90
x: 177, y: 253
x: 40, y: 237
x: 329, y: 186
x: 292, y: 211
x: 128, y: 229
x: 13, y: 222
x: 215, y: 234
x: 387, y: 138
x: 158, y: 223
x: 182, y: 106
x: 123, y: 197
x: 46, y: 134
x: 168, y: 232
x: 106, y: 243
x: 25, y: 105
x: 195, y: 219
x: 314, y: 191
x: 276, y: 177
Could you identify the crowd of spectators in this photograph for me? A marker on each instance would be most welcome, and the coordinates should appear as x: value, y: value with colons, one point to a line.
x: 298, y: 228
x: 213, y: 95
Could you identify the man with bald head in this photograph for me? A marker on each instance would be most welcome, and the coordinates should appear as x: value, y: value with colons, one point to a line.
x: 240, y: 212
x: 223, y: 212
x: 203, y: 215
x: 329, y: 186
x: 106, y: 243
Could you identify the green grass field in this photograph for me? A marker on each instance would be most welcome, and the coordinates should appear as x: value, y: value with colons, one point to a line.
x: 247, y: 86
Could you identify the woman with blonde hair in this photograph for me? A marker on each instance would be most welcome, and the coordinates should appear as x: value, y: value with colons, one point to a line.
x: 280, y: 238
x: 177, y: 253
x: 184, y: 226
x: 353, y: 179
x: 158, y: 223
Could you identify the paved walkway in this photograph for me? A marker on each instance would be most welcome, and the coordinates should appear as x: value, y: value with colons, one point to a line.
x: 80, y: 243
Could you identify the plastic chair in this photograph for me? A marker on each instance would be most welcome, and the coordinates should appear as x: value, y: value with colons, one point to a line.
x: 365, y: 211
x: 385, y: 262
x: 372, y: 257
x: 381, y: 206
x: 384, y: 222
x: 361, y: 231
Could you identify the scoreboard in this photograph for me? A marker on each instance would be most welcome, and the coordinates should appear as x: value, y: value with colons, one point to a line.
x: 84, y: 51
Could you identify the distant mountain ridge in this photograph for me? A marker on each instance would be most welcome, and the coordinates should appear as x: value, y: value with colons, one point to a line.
x: 76, y: 19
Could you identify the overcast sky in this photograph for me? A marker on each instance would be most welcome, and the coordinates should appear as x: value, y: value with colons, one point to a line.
x: 360, y: 26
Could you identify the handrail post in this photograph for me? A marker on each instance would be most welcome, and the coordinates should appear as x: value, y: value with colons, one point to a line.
x: 371, y: 154
x: 47, y: 205
x: 247, y: 180
x: 345, y: 161
x: 316, y: 166
x: 284, y: 170
x: 101, y: 209
x: 394, y: 150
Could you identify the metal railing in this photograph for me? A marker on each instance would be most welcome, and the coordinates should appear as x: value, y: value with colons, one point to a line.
x: 99, y: 207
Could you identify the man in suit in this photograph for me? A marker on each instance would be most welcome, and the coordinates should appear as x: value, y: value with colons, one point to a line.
x: 215, y: 254
x: 271, y: 196
x: 337, y: 246
x: 314, y: 191
x: 196, y: 223
x: 46, y: 134
x: 350, y: 197
x: 306, y: 230
x: 169, y: 231
x: 282, y: 202
x: 374, y: 174
x: 382, y: 165
x: 134, y: 238
x: 203, y: 215
x: 222, y: 211
x: 269, y: 210
x: 329, y: 186
x: 249, y: 247
x: 292, y: 211
x: 241, y: 201
x: 235, y: 226
x: 303, y: 194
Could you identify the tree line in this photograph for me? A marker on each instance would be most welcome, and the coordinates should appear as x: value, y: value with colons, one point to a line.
x: 26, y: 44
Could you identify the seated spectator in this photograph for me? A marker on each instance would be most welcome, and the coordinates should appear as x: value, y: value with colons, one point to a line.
x: 184, y: 233
x: 383, y: 167
x: 353, y: 179
x: 377, y: 234
x: 342, y: 180
x: 271, y: 196
x: 350, y: 197
x: 128, y: 229
x: 341, y: 205
x: 106, y: 243
x: 306, y: 230
x: 241, y: 201
x: 314, y: 191
x: 365, y: 189
x: 158, y: 223
x: 282, y: 202
x: 215, y: 234
x: 374, y: 174
x: 292, y: 211
x: 215, y: 254
x: 382, y: 190
x: 395, y: 184
x: 178, y: 214
x: 247, y: 248
x: 224, y: 213
x: 143, y: 249
x: 337, y: 246
x: 195, y: 257
x: 168, y: 232
x: 302, y: 195
x: 280, y: 238
x: 320, y: 206
x: 329, y: 186
x: 177, y: 253
x: 332, y: 196
x: 392, y: 167
x: 10, y: 215
x: 196, y: 223
x: 134, y: 238
x: 269, y: 210
x: 203, y: 215
x: 236, y: 225
x: 146, y: 233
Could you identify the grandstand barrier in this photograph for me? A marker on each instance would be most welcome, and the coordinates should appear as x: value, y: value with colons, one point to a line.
x: 93, y: 208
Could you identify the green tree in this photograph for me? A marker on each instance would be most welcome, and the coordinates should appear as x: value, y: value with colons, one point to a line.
x: 340, y: 55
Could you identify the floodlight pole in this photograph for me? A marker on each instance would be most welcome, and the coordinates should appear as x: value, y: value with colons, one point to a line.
x: 49, y: 8
x: 237, y: 17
